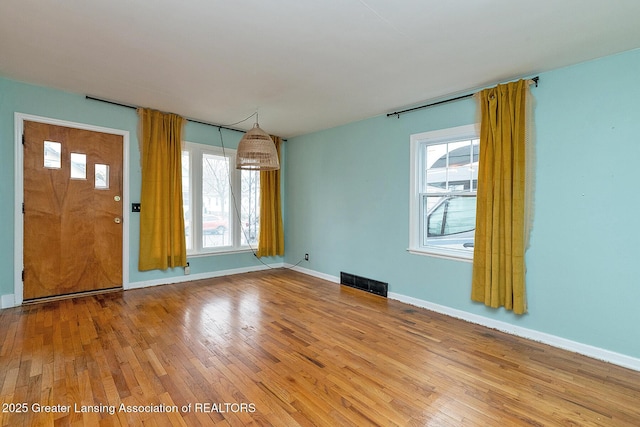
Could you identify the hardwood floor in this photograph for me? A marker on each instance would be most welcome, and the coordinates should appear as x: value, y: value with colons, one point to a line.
x: 284, y: 349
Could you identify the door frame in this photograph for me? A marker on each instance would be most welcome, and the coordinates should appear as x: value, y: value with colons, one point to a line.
x: 19, y: 119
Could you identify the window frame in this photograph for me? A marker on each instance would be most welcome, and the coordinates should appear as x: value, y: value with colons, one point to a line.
x: 417, y: 141
x: 195, y: 202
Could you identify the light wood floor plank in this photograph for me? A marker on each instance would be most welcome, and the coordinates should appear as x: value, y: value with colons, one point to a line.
x: 279, y: 348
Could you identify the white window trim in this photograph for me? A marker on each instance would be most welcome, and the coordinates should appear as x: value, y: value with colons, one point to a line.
x: 416, y: 140
x: 195, y: 187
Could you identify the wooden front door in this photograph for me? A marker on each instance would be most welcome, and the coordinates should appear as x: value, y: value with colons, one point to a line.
x: 72, y: 210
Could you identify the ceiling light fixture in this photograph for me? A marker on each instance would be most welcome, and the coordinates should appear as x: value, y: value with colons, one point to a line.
x: 256, y: 151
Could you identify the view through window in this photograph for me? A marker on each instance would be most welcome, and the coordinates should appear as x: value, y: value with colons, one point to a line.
x: 221, y: 204
x: 443, y: 211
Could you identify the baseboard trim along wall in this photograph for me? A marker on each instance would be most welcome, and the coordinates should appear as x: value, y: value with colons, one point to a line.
x: 552, y: 340
x: 200, y: 276
x: 8, y: 301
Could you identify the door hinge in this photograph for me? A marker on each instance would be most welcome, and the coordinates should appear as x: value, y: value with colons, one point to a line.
x: 23, y: 275
x: 23, y: 139
x: 22, y: 207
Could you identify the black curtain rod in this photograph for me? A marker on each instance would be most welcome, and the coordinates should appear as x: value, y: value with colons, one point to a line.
x: 191, y: 120
x: 397, y: 113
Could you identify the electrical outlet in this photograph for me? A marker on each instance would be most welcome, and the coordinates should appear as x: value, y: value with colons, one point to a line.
x: 187, y: 269
x: 306, y: 257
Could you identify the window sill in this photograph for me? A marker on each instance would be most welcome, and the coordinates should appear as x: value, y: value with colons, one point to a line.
x: 444, y: 254
x: 225, y: 251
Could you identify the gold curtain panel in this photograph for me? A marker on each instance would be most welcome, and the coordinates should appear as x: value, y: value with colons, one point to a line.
x: 162, y: 239
x: 498, y: 261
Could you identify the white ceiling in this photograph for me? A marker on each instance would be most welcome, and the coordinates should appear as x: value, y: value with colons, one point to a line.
x: 304, y: 65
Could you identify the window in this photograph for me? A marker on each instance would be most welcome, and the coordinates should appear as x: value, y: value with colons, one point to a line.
x: 211, y: 187
x: 101, y: 172
x: 52, y: 154
x: 78, y: 166
x: 444, y: 180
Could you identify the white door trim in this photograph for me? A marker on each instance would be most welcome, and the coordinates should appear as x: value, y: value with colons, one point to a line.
x: 20, y: 118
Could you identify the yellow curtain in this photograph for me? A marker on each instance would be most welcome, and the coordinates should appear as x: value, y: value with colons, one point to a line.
x: 499, y: 247
x: 271, y: 236
x: 162, y: 239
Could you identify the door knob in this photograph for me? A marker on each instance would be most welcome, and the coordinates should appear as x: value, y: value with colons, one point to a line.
x: 117, y: 220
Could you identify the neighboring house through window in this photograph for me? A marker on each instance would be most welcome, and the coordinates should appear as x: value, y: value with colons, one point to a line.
x: 211, y: 187
x: 444, y: 180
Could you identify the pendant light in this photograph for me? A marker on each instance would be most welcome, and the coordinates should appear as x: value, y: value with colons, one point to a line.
x: 256, y: 151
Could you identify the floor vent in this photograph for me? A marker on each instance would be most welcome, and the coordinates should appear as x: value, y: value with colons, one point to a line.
x: 362, y: 283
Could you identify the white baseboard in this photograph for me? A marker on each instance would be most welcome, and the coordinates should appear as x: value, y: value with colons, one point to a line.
x: 314, y: 273
x: 8, y: 301
x: 200, y: 276
x: 552, y: 340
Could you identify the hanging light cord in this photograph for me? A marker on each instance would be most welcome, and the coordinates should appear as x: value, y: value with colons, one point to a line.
x: 241, y: 121
x: 235, y: 204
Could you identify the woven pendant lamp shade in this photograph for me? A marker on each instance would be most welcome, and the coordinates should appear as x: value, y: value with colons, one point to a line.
x: 256, y: 151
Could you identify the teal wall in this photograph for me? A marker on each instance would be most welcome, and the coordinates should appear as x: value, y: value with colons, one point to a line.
x: 55, y: 104
x: 348, y: 197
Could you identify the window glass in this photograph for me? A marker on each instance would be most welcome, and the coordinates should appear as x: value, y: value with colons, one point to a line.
x: 461, y: 215
x: 434, y: 217
x: 78, y: 166
x: 212, y: 189
x: 452, y: 166
x: 443, y: 206
x: 101, y: 172
x: 250, y: 181
x: 450, y: 179
x: 186, y: 206
x: 452, y: 215
x: 215, y: 201
x: 52, y: 153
